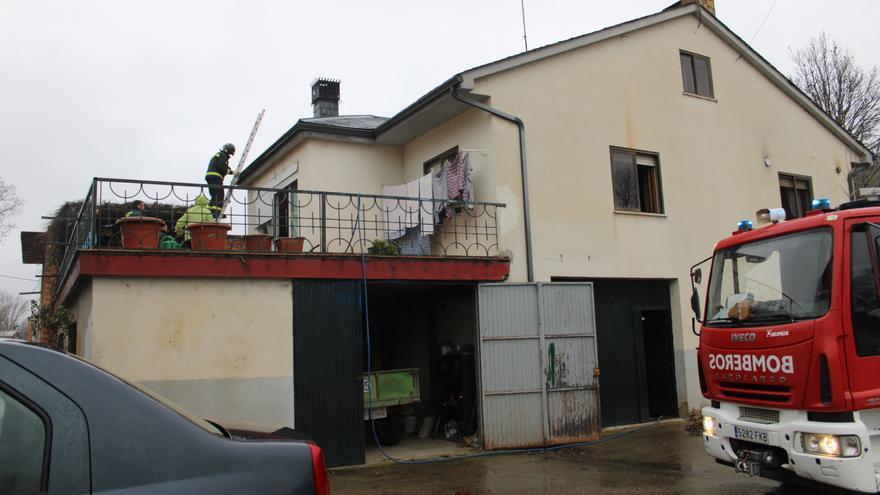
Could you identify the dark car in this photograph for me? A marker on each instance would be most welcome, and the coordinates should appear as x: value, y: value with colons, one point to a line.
x: 67, y: 426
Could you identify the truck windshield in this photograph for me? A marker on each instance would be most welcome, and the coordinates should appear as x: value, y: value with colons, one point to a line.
x: 784, y: 278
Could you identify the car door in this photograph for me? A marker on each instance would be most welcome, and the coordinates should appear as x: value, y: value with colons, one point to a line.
x: 43, y: 436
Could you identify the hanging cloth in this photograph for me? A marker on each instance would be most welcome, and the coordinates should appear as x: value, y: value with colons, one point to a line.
x: 394, y: 211
x: 440, y: 188
x: 426, y: 206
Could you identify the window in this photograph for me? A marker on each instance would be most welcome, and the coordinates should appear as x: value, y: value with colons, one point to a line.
x: 434, y: 164
x: 797, y: 194
x: 635, y: 181
x: 22, y: 447
x: 287, y: 211
x: 864, y: 296
x: 696, y: 74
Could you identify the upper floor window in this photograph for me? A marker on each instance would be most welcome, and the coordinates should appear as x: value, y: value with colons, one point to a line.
x: 696, y: 74
x: 434, y: 164
x: 796, y: 192
x: 635, y: 181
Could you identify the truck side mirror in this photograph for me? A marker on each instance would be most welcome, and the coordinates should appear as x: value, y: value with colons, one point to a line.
x: 697, y: 275
x: 695, y: 303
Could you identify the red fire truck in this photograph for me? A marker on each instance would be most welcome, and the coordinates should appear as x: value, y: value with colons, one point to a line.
x: 789, y: 353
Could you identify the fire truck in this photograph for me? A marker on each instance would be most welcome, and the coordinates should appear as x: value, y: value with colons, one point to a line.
x: 789, y: 354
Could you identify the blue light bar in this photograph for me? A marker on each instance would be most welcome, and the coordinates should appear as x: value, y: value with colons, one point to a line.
x: 821, y: 204
x: 744, y: 225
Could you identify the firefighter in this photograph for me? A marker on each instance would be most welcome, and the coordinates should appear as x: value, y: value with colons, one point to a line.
x: 218, y: 169
x: 197, y: 213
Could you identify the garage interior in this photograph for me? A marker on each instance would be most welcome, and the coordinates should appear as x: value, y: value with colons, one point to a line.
x: 431, y: 328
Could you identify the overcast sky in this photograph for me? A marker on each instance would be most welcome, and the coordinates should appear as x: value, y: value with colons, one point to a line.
x: 151, y: 89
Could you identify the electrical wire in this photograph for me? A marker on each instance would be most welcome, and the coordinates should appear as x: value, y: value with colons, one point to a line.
x: 762, y: 22
x: 438, y: 460
x: 17, y: 278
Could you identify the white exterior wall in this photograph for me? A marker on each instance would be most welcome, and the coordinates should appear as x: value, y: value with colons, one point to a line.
x: 220, y: 348
x: 627, y: 92
x: 326, y: 165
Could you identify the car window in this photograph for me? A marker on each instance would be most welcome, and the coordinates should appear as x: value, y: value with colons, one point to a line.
x: 22, y: 447
x: 200, y: 422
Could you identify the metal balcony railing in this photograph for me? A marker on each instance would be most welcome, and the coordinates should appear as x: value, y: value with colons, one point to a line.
x: 281, y: 221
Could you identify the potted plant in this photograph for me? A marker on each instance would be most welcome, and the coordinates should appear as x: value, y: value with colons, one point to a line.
x: 140, y: 232
x: 289, y: 244
x: 381, y: 246
x: 209, y: 236
x: 258, y: 242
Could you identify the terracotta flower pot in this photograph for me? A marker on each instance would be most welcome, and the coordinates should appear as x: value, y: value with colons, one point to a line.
x: 289, y: 244
x: 258, y: 242
x: 236, y: 243
x: 140, y: 232
x: 209, y: 236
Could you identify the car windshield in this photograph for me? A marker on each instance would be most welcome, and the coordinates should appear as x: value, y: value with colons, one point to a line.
x: 775, y: 280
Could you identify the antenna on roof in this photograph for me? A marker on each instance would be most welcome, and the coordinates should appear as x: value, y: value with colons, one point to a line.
x: 522, y: 4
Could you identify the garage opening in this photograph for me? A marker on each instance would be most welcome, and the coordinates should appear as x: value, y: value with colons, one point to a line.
x: 422, y: 346
x: 636, y: 350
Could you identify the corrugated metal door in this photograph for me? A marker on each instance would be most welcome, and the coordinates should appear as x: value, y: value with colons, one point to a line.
x: 327, y: 364
x: 537, y: 361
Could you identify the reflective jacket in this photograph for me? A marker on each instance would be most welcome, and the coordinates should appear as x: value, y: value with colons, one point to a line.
x: 218, y: 166
x: 197, y: 213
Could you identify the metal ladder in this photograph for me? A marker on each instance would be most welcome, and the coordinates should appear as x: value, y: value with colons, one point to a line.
x: 241, y: 160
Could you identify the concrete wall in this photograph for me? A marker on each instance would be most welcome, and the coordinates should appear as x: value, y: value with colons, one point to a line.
x: 220, y: 348
x: 627, y: 92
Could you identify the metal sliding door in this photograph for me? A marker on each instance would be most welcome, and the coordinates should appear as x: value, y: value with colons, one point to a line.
x: 537, y: 364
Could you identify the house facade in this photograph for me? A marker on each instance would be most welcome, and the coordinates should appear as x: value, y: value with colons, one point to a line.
x: 603, y: 167
x: 644, y: 144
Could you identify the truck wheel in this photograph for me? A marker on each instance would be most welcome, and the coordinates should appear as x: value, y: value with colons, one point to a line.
x: 390, y: 429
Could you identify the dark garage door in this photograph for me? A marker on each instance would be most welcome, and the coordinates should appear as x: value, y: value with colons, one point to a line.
x: 327, y: 364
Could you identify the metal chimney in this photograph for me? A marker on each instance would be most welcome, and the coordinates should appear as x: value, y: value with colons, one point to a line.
x: 325, y: 97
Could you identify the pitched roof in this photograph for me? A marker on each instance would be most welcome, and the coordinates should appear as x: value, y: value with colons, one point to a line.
x: 438, y: 106
x: 348, y: 121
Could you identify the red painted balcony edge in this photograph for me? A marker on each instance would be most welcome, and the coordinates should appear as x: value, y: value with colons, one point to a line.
x: 141, y: 263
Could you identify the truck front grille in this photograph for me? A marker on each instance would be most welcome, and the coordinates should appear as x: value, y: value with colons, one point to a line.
x: 767, y: 393
x: 758, y: 415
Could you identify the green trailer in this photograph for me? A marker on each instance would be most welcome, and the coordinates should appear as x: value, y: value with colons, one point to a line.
x: 388, y: 392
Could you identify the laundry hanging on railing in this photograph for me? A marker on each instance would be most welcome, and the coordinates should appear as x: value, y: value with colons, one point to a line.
x: 414, y: 243
x: 438, y: 191
x: 458, y: 177
x: 394, y: 211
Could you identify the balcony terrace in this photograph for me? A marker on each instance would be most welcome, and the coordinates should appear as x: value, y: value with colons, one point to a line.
x: 278, y: 233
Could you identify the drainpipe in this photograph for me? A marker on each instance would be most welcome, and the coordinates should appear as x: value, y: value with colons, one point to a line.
x: 522, y: 164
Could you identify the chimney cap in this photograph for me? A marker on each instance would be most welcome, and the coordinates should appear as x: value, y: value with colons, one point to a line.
x: 325, y: 88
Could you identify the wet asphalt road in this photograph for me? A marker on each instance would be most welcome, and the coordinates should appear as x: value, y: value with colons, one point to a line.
x: 661, y: 459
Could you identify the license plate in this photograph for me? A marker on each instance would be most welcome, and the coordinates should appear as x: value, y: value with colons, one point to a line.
x: 378, y: 413
x: 751, y: 434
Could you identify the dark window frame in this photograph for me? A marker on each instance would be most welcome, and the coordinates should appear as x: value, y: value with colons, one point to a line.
x: 690, y: 76
x: 286, y: 221
x: 658, y: 186
x: 867, y: 237
x: 47, y: 426
x: 429, y: 164
x: 801, y: 210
